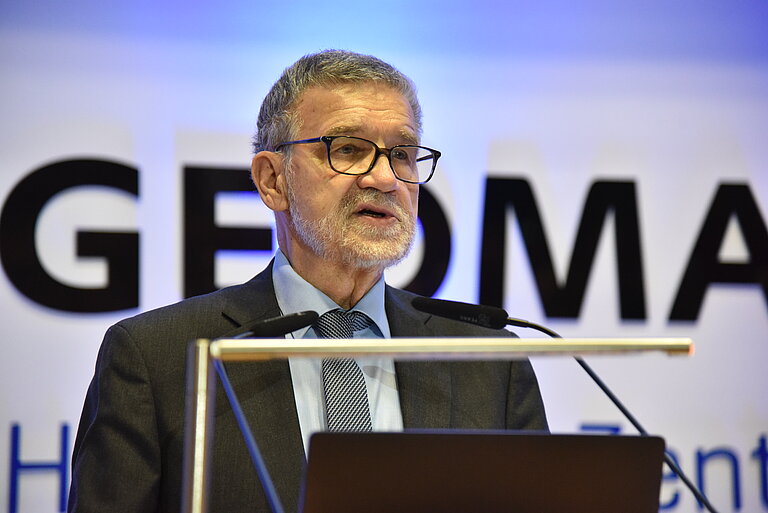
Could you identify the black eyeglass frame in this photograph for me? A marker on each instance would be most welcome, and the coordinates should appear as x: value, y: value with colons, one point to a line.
x: 328, y: 139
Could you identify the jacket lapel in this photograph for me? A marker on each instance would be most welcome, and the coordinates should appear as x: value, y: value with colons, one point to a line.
x: 261, y: 386
x: 424, y: 386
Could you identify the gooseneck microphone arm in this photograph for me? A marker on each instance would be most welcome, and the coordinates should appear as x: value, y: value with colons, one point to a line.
x: 627, y: 414
x: 496, y: 318
x: 268, y: 328
x: 584, y: 365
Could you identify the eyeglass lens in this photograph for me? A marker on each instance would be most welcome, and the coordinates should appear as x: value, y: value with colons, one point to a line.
x: 354, y: 156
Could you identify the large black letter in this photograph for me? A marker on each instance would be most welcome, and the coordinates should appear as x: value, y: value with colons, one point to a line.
x: 565, y: 300
x: 704, y: 267
x: 202, y: 237
x: 121, y: 250
x: 437, y: 246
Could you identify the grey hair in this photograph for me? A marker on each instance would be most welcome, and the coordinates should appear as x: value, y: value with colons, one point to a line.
x: 277, y: 117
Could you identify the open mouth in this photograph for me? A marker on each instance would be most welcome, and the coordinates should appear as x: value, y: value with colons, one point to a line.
x: 371, y: 213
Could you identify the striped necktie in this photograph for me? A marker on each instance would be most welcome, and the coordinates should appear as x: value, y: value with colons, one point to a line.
x: 346, y: 397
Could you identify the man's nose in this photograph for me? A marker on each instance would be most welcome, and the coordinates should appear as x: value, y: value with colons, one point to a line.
x: 381, y: 176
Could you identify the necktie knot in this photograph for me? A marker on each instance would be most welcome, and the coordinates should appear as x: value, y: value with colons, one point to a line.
x: 341, y: 324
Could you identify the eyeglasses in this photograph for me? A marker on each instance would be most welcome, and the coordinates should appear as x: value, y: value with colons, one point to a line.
x: 356, y: 156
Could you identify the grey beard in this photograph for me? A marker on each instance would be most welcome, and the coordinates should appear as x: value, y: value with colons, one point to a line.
x: 333, y: 237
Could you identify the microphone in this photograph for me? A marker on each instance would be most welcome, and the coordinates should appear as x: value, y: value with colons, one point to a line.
x: 496, y: 318
x: 491, y: 317
x: 485, y: 316
x: 277, y: 326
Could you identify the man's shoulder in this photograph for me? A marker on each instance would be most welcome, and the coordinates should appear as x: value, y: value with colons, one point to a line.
x: 209, y: 315
x: 401, y: 296
x: 194, y: 305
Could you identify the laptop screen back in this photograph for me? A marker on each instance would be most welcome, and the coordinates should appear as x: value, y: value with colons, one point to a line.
x: 480, y: 471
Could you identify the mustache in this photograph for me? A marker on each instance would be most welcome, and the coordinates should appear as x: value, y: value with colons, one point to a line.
x: 375, y: 197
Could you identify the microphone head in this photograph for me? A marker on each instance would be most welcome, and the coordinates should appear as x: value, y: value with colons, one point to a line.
x: 279, y: 326
x: 487, y: 316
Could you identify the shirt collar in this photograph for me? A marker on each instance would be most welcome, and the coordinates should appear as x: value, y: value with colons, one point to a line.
x: 295, y: 294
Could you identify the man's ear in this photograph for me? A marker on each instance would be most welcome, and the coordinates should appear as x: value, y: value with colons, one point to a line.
x: 268, y: 175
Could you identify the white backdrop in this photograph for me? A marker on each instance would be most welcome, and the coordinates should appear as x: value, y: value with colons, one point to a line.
x: 673, y: 99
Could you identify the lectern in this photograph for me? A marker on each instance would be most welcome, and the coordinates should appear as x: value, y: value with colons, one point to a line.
x: 206, y: 360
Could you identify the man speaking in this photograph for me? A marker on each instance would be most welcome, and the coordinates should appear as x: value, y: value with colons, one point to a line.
x: 339, y: 161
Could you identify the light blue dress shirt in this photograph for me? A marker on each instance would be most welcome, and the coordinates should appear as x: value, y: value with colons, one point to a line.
x: 294, y: 294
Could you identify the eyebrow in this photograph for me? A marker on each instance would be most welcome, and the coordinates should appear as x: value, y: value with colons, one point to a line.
x: 343, y: 130
x: 407, y: 135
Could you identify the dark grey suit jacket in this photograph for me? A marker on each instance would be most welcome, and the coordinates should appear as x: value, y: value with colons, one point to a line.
x: 128, y: 451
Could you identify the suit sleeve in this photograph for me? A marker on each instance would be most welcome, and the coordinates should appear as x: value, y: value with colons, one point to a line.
x: 525, y: 408
x: 116, y: 459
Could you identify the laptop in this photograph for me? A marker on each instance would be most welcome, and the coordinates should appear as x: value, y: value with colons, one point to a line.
x: 481, y: 471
